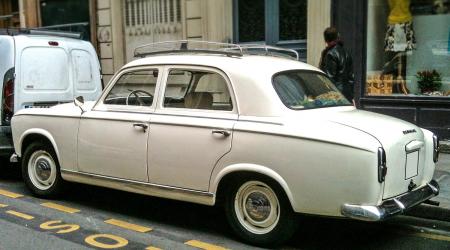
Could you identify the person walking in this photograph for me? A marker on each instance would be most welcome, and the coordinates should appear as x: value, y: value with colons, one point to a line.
x: 337, y: 63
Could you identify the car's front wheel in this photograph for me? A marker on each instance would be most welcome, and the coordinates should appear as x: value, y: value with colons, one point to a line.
x: 259, y: 211
x: 40, y: 170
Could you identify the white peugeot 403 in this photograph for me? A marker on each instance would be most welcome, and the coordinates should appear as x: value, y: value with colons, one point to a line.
x: 266, y: 136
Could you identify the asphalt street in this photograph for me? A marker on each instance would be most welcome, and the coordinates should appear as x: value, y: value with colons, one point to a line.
x: 91, y: 217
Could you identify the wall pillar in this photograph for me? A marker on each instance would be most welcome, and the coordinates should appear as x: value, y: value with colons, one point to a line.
x: 319, y: 18
x: 29, y: 13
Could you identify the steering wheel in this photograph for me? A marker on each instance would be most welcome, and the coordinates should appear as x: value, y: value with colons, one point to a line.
x: 138, y: 98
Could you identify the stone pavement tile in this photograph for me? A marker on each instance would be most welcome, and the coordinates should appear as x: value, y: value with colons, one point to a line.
x: 442, y: 176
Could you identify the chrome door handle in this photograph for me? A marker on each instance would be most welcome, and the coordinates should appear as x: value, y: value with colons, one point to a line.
x: 221, y: 132
x: 141, y: 125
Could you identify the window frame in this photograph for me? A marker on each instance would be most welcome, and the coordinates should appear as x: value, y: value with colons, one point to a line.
x: 186, y: 111
x: 272, y: 22
x: 101, y: 106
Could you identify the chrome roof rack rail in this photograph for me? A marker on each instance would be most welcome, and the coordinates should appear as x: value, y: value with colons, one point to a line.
x: 188, y: 46
x: 258, y: 49
x: 39, y: 31
x: 228, y: 49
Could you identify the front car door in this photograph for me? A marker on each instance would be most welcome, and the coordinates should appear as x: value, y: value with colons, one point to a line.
x: 192, y: 127
x: 113, y: 137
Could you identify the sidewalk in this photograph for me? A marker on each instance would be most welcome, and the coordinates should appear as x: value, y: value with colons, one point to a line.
x: 442, y: 176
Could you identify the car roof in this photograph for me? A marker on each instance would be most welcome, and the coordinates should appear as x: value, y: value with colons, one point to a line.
x: 268, y: 64
x: 250, y: 76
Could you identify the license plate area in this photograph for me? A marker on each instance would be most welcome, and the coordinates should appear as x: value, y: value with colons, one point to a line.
x: 412, y: 164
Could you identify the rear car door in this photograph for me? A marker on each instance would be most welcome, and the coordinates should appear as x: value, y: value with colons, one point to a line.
x: 192, y: 127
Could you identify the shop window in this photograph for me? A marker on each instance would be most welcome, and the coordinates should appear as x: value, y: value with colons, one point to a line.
x: 408, y: 48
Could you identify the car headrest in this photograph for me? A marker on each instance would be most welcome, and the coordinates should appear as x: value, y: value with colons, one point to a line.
x: 198, y: 100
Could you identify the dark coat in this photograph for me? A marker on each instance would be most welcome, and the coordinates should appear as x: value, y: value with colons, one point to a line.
x: 338, y: 65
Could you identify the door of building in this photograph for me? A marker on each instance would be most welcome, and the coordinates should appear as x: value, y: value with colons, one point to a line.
x: 149, y: 21
x: 274, y: 22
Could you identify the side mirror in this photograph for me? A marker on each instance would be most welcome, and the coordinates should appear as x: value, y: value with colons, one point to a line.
x: 79, y: 102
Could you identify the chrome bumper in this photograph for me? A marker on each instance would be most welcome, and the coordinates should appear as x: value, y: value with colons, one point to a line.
x: 392, y: 206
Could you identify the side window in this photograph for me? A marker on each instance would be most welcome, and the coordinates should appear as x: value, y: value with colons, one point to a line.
x: 196, y: 89
x: 135, y: 88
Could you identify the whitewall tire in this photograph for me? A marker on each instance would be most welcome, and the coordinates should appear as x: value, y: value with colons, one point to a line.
x: 41, y: 171
x: 259, y: 211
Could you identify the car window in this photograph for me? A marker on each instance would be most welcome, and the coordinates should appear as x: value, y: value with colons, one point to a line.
x: 196, y: 89
x: 306, y: 90
x: 135, y: 88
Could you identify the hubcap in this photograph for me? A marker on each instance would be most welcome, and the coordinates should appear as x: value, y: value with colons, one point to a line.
x: 42, y: 170
x: 257, y: 207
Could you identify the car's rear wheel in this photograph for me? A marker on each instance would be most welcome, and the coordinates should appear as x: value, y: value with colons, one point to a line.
x: 259, y: 211
x: 40, y: 170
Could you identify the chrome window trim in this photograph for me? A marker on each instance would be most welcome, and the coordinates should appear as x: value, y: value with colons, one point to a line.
x: 226, y: 77
x: 175, y: 193
x: 116, y: 77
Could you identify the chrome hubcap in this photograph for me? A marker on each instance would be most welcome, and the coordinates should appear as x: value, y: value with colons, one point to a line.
x: 42, y: 170
x: 257, y: 207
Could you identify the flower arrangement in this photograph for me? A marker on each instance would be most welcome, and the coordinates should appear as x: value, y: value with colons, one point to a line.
x: 429, y: 80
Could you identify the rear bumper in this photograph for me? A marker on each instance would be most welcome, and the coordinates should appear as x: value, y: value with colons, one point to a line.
x: 6, y: 143
x: 392, y: 206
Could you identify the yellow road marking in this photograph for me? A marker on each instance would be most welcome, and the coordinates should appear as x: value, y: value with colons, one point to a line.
x: 21, y: 215
x: 153, y: 248
x: 60, y: 207
x: 57, y: 224
x: 203, y: 245
x: 3, y: 205
x: 10, y: 194
x: 119, y: 241
x: 126, y: 225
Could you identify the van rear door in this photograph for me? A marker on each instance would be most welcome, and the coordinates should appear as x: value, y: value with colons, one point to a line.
x: 43, y: 74
x: 86, y: 74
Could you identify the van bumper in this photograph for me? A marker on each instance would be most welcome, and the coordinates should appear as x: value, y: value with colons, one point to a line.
x: 6, y: 142
x: 392, y: 206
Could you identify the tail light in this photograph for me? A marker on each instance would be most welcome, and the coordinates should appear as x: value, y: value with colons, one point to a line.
x: 435, y: 148
x: 8, y: 102
x: 382, y: 169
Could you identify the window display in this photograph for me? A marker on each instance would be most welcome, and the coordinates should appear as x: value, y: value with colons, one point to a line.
x: 408, y: 48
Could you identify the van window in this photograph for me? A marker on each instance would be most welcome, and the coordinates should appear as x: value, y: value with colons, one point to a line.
x: 83, y: 70
x: 44, y: 69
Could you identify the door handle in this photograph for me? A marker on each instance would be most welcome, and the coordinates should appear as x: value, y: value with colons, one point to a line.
x: 141, y: 125
x: 221, y: 132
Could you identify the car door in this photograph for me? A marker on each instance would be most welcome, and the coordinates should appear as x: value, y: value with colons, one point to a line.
x: 192, y: 127
x: 113, y: 137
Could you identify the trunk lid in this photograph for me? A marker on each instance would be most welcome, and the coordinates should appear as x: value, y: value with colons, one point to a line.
x: 402, y: 141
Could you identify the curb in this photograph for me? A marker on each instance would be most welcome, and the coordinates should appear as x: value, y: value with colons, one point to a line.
x: 444, y: 147
x: 430, y: 212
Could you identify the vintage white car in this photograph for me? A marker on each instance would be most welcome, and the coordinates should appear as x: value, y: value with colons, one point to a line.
x: 265, y: 136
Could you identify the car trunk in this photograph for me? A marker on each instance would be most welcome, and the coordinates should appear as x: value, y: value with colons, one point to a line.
x: 403, y: 143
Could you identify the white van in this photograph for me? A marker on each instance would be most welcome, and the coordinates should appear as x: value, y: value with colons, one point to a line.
x: 42, y: 69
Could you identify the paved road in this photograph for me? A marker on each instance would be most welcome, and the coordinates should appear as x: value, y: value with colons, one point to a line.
x: 92, y: 217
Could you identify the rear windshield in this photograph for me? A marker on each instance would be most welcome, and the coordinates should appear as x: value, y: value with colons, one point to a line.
x: 307, y: 90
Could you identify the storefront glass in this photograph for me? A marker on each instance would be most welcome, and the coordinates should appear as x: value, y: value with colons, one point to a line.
x: 408, y: 48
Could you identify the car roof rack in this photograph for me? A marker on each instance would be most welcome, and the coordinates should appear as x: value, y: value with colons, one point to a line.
x: 37, y: 31
x: 205, y: 47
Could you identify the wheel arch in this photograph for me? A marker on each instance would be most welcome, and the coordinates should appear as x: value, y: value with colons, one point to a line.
x: 33, y: 135
x: 229, y: 173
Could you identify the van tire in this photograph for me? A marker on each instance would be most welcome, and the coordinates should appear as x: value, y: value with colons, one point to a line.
x: 41, y: 170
